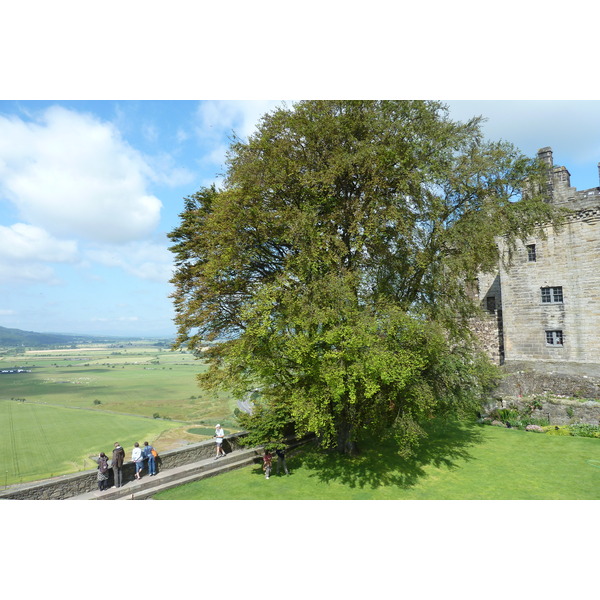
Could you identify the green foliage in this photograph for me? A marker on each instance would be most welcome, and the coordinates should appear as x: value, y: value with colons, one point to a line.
x: 330, y: 270
x: 267, y: 425
x: 584, y: 430
x: 557, y: 430
x: 534, y: 404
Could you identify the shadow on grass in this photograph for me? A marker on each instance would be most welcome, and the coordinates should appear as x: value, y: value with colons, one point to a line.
x: 381, y: 465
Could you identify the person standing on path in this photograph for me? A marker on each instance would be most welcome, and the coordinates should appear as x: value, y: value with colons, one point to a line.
x: 219, y: 435
x: 118, y: 456
x: 102, y: 472
x: 147, y: 453
x: 267, y: 463
x: 281, y: 461
x: 138, y: 459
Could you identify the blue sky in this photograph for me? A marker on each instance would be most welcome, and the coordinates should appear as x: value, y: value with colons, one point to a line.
x: 89, y: 190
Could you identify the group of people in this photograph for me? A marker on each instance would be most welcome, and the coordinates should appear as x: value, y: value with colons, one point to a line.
x: 268, y: 462
x: 148, y: 453
x: 138, y: 456
x: 267, y: 456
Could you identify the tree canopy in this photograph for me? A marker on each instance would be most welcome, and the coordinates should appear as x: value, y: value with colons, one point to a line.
x: 331, y: 269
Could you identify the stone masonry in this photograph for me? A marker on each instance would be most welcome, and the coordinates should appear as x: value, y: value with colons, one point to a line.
x: 546, y: 306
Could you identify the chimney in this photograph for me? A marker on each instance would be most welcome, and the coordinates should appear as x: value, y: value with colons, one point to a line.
x: 545, y: 154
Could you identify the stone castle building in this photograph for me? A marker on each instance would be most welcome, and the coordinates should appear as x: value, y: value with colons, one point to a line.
x: 546, y: 306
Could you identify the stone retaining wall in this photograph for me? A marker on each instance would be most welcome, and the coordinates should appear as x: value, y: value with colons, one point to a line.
x: 569, y: 393
x: 66, y: 486
x: 558, y: 411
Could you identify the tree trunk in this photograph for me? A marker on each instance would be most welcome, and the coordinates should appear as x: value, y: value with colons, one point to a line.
x: 345, y: 443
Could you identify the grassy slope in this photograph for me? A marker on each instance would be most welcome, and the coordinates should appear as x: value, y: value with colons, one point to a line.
x: 40, y: 441
x: 458, y: 463
x: 45, y: 436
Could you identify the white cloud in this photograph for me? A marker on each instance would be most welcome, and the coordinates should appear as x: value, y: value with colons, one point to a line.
x: 27, y: 273
x: 22, y: 242
x: 25, y: 251
x: 145, y: 260
x: 74, y: 176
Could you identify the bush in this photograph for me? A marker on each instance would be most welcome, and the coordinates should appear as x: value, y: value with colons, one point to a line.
x: 584, y: 430
x: 556, y: 430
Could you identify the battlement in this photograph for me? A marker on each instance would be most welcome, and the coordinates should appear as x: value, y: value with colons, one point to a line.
x: 560, y: 189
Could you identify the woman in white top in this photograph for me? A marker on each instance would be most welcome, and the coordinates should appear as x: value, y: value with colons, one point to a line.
x: 138, y: 459
x: 219, y: 433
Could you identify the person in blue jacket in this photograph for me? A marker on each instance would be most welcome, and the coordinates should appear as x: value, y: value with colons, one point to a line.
x: 147, y: 454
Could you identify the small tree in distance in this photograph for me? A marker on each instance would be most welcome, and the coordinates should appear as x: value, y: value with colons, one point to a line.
x: 330, y: 268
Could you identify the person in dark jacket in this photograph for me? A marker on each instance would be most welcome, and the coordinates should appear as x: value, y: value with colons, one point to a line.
x: 102, y: 472
x: 118, y: 457
x: 281, y: 461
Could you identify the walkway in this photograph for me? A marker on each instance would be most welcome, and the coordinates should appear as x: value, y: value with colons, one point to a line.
x: 146, y: 487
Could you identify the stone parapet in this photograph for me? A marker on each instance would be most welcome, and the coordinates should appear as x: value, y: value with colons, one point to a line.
x: 67, y: 486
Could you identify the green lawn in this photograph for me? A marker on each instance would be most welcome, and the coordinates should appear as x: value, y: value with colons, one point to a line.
x: 79, y: 401
x: 39, y: 441
x: 459, y: 462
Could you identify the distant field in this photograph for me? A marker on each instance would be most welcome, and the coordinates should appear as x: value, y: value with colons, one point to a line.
x: 131, y: 392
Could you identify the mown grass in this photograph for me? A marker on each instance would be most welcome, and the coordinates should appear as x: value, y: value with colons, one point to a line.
x: 40, y: 441
x: 121, y: 390
x: 458, y: 462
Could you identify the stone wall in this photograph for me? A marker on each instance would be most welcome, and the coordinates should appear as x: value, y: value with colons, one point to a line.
x: 66, y: 486
x: 563, y: 330
x: 569, y: 392
x: 558, y: 411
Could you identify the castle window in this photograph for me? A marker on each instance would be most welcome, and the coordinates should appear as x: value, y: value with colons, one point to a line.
x: 491, y: 303
x: 531, y: 257
x: 554, y: 338
x: 552, y: 294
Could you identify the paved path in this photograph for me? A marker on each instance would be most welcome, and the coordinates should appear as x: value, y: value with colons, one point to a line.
x: 168, y: 478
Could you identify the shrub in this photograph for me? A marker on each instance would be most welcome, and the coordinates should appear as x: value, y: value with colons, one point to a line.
x: 584, y: 430
x: 542, y: 422
x: 507, y: 414
x: 534, y: 404
x: 556, y: 430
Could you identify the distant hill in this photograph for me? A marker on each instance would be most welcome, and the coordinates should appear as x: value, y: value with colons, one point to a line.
x: 17, y: 337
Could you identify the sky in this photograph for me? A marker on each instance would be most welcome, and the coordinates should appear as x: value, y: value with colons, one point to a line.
x: 91, y: 185
x: 90, y: 189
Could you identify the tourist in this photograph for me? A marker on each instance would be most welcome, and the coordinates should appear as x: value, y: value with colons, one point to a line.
x: 281, y: 461
x: 219, y: 434
x: 118, y: 457
x: 102, y: 472
x: 149, y: 456
x: 267, y: 463
x: 138, y: 459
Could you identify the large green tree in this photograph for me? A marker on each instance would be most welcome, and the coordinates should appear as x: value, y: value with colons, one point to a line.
x: 331, y: 269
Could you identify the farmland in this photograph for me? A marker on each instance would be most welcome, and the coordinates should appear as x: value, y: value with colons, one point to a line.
x: 59, y: 407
